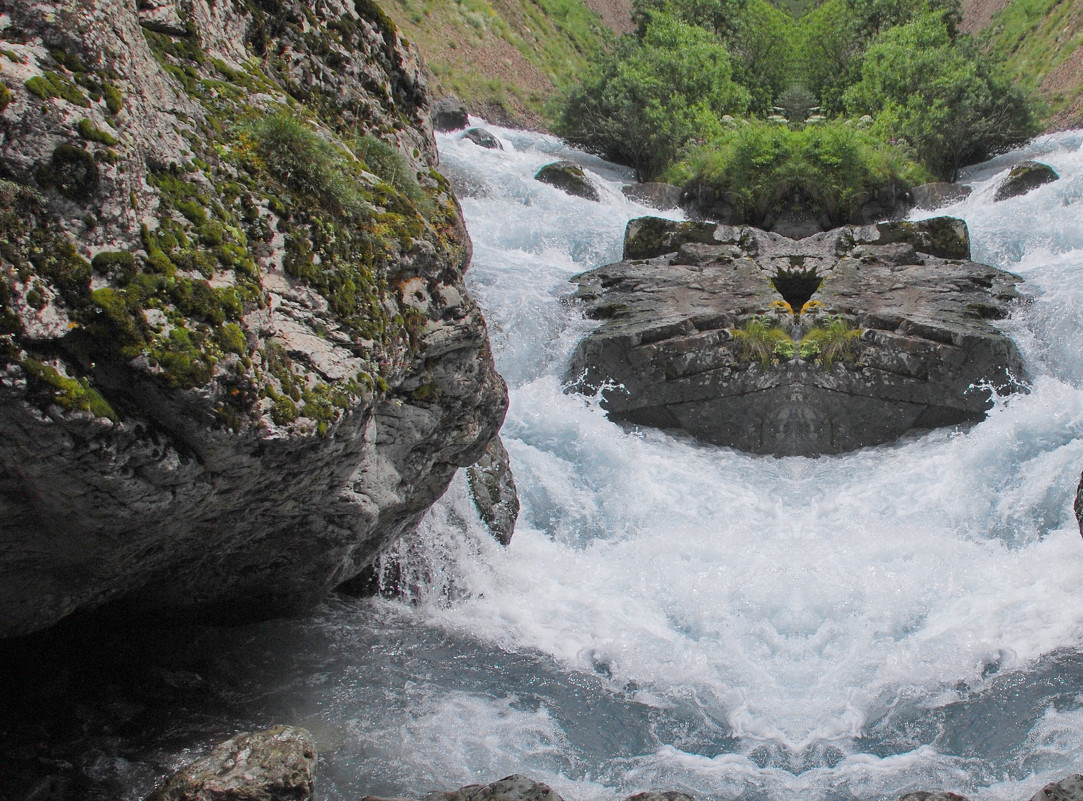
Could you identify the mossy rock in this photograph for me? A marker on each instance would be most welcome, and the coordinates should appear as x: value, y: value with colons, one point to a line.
x: 569, y: 178
x: 648, y: 237
x: 1025, y: 178
x: 943, y: 237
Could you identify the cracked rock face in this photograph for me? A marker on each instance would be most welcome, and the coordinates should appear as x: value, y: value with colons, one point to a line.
x: 237, y: 358
x: 821, y: 345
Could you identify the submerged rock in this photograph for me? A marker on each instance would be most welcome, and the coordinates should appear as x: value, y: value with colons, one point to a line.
x: 656, y: 195
x: 765, y: 344
x: 493, y: 489
x: 224, y: 388
x: 482, y: 138
x: 938, y: 194
x: 1024, y: 178
x: 568, y: 178
x: 510, y: 788
x: 278, y: 764
x: 924, y: 795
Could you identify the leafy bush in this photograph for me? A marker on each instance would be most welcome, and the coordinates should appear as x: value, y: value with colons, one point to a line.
x: 940, y: 94
x: 653, y: 95
x: 830, y: 167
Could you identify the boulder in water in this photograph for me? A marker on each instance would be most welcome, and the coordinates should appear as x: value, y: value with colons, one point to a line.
x: 924, y: 795
x: 510, y: 788
x: 1024, y: 178
x: 278, y: 764
x: 656, y: 195
x: 449, y: 114
x: 493, y: 489
x: 751, y: 340
x: 938, y: 194
x: 568, y: 178
x: 669, y: 795
x: 482, y: 138
x: 1070, y: 788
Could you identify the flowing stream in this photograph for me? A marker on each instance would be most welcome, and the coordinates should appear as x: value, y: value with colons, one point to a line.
x: 671, y: 615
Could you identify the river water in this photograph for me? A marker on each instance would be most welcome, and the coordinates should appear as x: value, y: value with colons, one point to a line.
x: 678, y: 616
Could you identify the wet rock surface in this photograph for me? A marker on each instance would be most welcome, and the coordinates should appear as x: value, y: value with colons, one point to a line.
x: 938, y: 194
x: 278, y: 764
x: 569, y: 178
x: 235, y: 362
x: 1024, y: 178
x: 493, y: 488
x: 770, y: 345
x: 482, y: 138
x: 656, y: 195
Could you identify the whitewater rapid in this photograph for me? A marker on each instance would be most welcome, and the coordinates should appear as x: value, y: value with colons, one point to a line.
x: 677, y: 616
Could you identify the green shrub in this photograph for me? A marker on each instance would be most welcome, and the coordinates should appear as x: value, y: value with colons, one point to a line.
x: 93, y: 133
x: 837, y: 340
x: 758, y: 340
x: 5, y: 97
x: 304, y: 161
x: 761, y: 166
x: 653, y: 95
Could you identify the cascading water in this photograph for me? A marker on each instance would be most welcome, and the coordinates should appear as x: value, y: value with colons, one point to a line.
x: 676, y: 616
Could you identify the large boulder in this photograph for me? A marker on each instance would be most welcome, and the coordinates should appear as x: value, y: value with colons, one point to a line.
x: 841, y: 340
x: 236, y: 362
x: 569, y: 178
x: 1025, y: 178
x: 449, y: 114
x: 482, y: 138
x: 278, y: 764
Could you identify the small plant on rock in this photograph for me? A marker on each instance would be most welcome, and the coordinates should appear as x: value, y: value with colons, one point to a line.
x: 835, y: 340
x: 757, y: 340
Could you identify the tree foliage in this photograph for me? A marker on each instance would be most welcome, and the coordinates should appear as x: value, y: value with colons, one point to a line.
x: 939, y: 94
x: 656, y: 93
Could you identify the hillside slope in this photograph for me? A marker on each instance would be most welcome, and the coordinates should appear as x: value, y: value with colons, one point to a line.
x: 1042, y: 42
x: 507, y: 58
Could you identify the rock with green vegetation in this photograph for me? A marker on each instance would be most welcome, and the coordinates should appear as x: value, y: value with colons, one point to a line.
x: 568, y: 177
x: 1024, y: 178
x: 278, y: 764
x: 237, y: 357
x: 766, y: 344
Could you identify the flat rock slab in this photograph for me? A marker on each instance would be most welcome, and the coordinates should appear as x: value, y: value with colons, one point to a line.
x: 747, y: 339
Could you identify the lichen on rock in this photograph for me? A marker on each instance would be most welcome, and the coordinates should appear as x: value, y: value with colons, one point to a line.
x: 237, y: 357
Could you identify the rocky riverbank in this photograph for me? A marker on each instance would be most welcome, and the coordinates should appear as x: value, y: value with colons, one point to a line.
x: 237, y: 358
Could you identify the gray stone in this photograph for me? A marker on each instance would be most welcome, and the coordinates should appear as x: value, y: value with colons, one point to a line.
x: 278, y: 764
x: 510, y: 788
x: 569, y: 178
x: 449, y: 114
x: 1025, y: 178
x: 319, y: 429
x: 669, y: 795
x: 493, y: 489
x: 923, y: 795
x: 656, y: 195
x: 482, y: 138
x: 1070, y: 788
x: 845, y: 339
x: 938, y: 194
